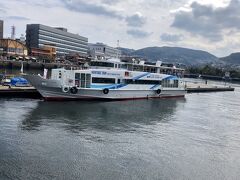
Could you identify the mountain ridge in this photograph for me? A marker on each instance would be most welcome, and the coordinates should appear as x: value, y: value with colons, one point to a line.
x: 173, y: 55
x: 233, y: 58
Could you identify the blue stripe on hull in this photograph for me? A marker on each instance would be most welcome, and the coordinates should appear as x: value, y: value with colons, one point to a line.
x: 112, y: 86
x: 156, y: 85
x: 140, y: 76
x: 116, y: 86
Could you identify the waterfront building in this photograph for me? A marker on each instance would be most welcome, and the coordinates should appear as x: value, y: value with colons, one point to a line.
x: 47, y: 52
x: 38, y: 35
x: 99, y: 50
x: 11, y: 47
x: 1, y: 29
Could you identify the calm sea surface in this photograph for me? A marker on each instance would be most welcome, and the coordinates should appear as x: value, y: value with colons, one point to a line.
x: 193, y: 138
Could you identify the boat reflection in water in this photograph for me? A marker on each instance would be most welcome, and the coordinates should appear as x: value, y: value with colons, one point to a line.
x: 103, y: 116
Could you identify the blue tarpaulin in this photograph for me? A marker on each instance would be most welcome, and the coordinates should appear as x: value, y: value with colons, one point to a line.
x: 19, y: 81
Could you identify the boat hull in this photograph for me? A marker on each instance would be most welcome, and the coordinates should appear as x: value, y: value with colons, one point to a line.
x: 52, y: 90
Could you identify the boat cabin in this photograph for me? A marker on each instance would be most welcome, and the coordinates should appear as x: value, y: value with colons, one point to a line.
x: 142, y: 66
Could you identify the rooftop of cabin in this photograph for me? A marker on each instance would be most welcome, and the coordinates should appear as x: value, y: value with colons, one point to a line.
x: 135, y: 62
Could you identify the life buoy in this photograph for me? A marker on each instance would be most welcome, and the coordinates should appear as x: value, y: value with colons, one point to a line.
x: 65, y: 89
x: 105, y: 91
x: 158, y: 91
x: 74, y: 90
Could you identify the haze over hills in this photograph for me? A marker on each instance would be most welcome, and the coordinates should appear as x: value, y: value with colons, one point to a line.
x: 233, y: 58
x: 173, y: 55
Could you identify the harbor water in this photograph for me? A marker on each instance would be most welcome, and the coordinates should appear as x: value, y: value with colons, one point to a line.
x: 192, y: 138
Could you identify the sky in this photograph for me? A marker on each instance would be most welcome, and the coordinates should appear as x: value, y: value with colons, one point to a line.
x: 209, y: 25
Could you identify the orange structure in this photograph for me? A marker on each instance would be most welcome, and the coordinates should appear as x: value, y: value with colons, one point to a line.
x: 13, y: 47
x: 48, y: 51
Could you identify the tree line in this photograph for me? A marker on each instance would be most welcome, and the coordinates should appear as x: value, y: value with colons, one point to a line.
x: 213, y: 71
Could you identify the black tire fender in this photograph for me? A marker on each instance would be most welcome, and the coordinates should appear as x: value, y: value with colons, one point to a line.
x: 158, y: 91
x: 105, y: 91
x: 74, y: 90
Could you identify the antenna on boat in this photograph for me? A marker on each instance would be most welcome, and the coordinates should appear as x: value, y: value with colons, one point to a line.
x: 117, y: 48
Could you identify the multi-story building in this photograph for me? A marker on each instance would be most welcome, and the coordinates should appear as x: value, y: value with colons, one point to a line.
x: 100, y: 49
x: 38, y: 35
x: 12, y: 47
x: 1, y: 29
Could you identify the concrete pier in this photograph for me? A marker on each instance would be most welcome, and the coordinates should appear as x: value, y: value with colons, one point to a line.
x: 19, y: 92
x: 10, y: 64
x: 204, y: 88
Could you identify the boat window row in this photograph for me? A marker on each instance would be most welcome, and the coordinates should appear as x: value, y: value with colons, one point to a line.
x: 140, y: 68
x: 125, y: 81
x: 170, y: 83
x: 132, y: 81
x: 103, y: 80
x: 102, y: 64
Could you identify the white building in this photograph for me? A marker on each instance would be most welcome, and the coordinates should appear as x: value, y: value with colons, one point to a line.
x: 99, y: 50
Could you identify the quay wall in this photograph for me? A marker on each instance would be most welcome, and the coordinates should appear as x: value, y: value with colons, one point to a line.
x: 8, y: 64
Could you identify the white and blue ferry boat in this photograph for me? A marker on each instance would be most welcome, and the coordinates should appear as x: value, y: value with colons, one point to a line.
x: 111, y: 80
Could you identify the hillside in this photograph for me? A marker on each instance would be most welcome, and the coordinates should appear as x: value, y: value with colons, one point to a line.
x: 234, y: 58
x: 126, y: 51
x: 176, y: 55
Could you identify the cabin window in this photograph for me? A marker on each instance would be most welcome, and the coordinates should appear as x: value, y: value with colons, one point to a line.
x: 131, y: 81
x: 103, y: 80
x: 130, y: 67
x: 168, y: 83
x: 137, y: 68
x: 77, y: 79
x: 146, y: 69
x: 83, y: 80
x: 123, y: 66
x: 102, y: 64
x: 153, y: 70
x: 77, y: 76
x: 88, y: 80
x: 150, y: 69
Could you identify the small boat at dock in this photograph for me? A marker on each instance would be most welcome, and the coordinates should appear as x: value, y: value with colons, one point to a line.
x: 111, y: 80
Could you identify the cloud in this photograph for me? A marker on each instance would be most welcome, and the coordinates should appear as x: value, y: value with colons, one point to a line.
x: 110, y: 1
x: 171, y: 37
x: 18, y: 18
x: 138, y: 33
x: 3, y: 8
x: 91, y: 8
x: 207, y: 21
x: 136, y: 20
